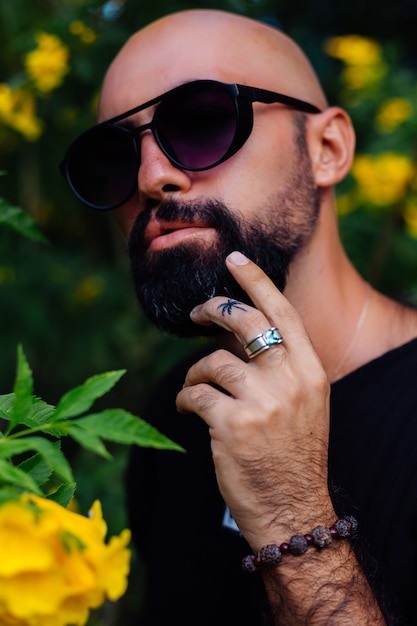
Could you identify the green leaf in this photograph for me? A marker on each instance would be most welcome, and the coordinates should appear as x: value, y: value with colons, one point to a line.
x: 53, y: 456
x: 64, y: 494
x: 48, y: 450
x: 37, y: 468
x: 122, y: 427
x: 9, y: 448
x: 6, y: 405
x: 81, y: 398
x: 38, y: 414
x: 88, y: 440
x: 14, y: 217
x: 17, y: 478
x: 23, y: 390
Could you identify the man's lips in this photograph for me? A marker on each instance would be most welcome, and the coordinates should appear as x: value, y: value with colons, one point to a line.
x: 160, y: 235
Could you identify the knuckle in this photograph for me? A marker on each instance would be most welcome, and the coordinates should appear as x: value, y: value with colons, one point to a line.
x: 225, y: 372
x: 201, y: 398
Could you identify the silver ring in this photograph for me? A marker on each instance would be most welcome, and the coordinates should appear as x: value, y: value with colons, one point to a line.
x: 263, y: 341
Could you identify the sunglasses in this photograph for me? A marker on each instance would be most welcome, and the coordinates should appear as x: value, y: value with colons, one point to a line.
x: 197, y: 126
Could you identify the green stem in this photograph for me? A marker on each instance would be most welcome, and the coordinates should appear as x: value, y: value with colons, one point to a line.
x: 31, y: 431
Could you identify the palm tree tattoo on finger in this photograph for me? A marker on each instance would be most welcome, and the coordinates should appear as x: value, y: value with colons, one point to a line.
x: 226, y: 307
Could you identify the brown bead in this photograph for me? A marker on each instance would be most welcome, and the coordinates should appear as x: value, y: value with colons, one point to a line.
x: 249, y: 563
x: 298, y: 545
x: 343, y: 527
x: 270, y: 554
x: 354, y: 523
x: 322, y: 536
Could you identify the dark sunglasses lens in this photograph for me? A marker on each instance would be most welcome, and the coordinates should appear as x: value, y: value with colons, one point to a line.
x: 102, y: 167
x: 196, y: 125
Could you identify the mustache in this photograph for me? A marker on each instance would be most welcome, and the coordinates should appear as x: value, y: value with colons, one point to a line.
x: 210, y: 212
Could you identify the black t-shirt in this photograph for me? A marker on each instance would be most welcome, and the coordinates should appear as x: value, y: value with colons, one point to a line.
x: 177, y: 514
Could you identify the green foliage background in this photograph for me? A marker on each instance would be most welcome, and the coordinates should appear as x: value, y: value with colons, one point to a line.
x: 70, y: 302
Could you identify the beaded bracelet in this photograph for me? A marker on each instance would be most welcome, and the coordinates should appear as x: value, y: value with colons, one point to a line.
x: 320, y: 537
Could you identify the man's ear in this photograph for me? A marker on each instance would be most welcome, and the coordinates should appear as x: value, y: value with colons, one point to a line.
x: 331, y: 141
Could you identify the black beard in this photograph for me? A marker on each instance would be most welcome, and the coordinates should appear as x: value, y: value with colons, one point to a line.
x: 169, y: 283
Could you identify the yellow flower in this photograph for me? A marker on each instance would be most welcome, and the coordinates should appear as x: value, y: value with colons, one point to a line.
x: 360, y: 76
x: 48, y: 63
x: 86, y: 34
x: 362, y: 57
x: 17, y: 110
x: 383, y: 179
x: 354, y: 49
x: 55, y: 564
x: 393, y: 113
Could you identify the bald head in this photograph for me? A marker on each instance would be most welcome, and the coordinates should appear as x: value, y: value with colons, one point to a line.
x: 211, y: 44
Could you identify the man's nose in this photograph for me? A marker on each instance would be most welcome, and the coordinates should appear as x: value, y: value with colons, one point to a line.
x: 157, y: 176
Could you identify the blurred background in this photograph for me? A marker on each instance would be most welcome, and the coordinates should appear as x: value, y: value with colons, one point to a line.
x: 70, y: 301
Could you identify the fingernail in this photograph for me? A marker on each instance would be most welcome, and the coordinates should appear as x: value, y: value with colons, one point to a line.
x: 195, y: 310
x: 237, y: 258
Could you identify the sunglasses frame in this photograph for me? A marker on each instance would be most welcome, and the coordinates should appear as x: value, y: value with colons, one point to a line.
x: 242, y: 97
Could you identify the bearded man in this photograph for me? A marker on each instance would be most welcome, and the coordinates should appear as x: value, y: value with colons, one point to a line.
x: 218, y: 153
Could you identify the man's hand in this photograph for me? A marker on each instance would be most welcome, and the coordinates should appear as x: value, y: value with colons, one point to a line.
x: 269, y: 424
x: 268, y: 418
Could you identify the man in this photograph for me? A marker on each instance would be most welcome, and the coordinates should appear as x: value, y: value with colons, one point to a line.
x: 225, y: 195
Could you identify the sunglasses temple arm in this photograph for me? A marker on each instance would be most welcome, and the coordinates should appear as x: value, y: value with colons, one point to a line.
x: 122, y: 116
x: 268, y: 97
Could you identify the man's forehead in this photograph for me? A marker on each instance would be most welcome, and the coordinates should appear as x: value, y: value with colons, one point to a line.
x: 202, y: 44
x: 165, y: 55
